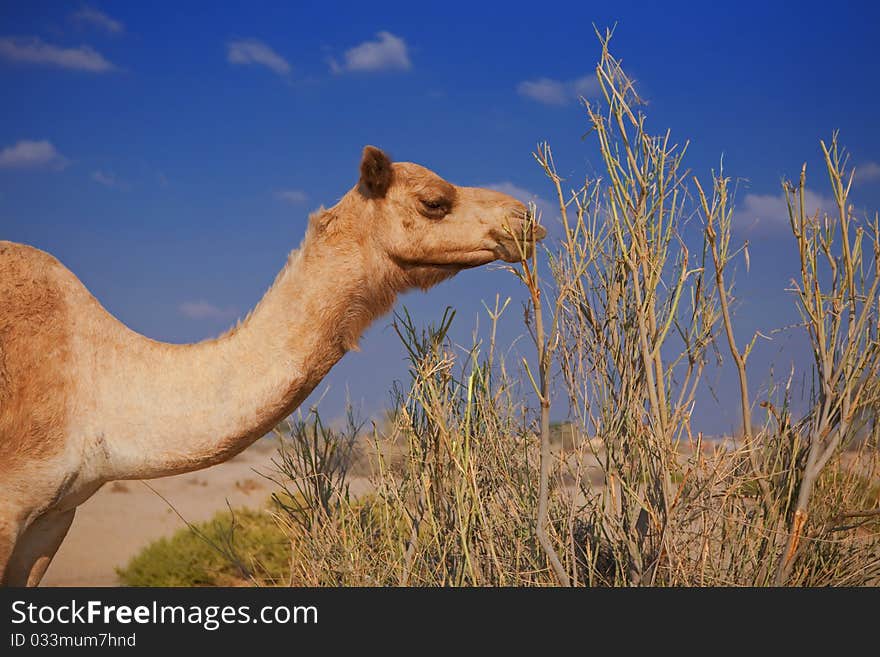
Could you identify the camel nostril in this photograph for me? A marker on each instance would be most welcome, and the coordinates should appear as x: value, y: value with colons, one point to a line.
x: 540, y: 232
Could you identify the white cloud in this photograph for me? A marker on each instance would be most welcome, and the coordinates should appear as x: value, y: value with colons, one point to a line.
x: 771, y: 211
x: 544, y: 90
x: 545, y: 208
x: 109, y: 180
x: 253, y: 51
x: 867, y: 172
x: 202, y: 309
x: 32, y: 155
x: 388, y: 52
x: 558, y: 92
x: 33, y: 50
x: 292, y: 196
x: 586, y: 86
x: 99, y: 19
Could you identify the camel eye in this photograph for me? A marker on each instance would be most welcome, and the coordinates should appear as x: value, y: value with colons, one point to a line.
x: 435, y: 208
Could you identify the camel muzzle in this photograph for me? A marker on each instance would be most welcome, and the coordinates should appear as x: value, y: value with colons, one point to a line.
x: 516, y: 245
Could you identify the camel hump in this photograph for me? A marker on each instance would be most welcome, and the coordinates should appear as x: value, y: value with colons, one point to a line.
x: 12, y: 253
x: 34, y: 351
x: 29, y: 290
x: 24, y: 265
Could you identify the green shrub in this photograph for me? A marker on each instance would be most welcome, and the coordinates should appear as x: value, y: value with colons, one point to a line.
x: 233, y: 548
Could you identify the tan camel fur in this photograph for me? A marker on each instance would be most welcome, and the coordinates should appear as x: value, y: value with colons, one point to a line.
x: 84, y: 400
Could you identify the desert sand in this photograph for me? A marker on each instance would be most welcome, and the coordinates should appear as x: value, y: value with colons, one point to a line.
x: 125, y: 516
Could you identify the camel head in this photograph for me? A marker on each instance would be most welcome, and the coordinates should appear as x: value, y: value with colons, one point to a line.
x: 427, y: 229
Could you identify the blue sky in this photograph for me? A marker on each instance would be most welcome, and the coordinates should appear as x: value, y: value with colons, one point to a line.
x: 169, y: 153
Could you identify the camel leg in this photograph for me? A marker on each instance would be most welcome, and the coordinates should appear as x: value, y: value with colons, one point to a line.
x: 8, y: 534
x: 36, y: 547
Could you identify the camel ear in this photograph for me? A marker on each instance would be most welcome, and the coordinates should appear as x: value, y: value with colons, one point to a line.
x: 375, y: 172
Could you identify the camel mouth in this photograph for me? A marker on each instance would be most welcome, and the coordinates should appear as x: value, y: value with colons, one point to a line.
x: 505, y: 244
x: 516, y: 247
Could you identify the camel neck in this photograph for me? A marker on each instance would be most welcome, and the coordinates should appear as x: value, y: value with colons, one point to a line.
x: 205, y: 402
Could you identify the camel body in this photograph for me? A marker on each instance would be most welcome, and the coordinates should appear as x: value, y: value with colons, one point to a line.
x: 85, y: 400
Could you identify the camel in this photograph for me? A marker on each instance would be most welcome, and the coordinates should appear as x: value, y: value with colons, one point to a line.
x: 84, y: 400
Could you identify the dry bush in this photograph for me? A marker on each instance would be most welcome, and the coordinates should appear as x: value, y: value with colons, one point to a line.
x: 638, y: 303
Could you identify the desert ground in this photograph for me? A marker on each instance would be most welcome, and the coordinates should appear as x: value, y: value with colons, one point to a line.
x: 124, y: 516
